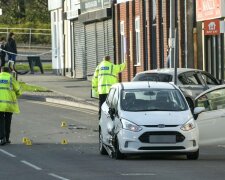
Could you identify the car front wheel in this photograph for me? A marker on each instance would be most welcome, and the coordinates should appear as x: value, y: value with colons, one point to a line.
x: 117, y: 153
x: 193, y: 155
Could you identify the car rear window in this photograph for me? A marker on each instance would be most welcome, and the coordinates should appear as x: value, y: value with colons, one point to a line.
x: 153, y: 77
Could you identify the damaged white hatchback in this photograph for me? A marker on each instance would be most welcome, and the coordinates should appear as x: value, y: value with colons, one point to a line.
x: 147, y: 117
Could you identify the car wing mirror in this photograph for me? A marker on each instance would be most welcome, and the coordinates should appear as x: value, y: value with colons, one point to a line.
x: 197, y: 111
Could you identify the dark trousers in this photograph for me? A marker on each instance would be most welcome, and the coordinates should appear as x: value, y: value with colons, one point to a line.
x: 2, y: 61
x: 102, y: 98
x: 5, y: 124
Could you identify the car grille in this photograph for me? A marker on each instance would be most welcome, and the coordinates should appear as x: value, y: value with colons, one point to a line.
x: 156, y: 126
x: 145, y: 137
x: 162, y: 148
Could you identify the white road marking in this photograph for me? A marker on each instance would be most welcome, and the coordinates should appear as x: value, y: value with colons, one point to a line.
x: 138, y: 174
x: 56, y: 176
x: 64, y: 107
x: 7, y: 153
x: 31, y: 165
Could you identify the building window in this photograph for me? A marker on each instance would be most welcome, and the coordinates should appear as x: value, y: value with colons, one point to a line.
x: 122, y: 42
x: 138, y: 44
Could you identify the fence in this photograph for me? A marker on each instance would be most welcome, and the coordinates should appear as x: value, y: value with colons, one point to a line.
x: 30, y: 42
x: 29, y: 37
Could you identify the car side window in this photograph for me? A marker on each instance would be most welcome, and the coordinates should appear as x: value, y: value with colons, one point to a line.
x: 217, y: 99
x: 110, y: 97
x: 209, y: 80
x: 213, y: 100
x: 189, y: 78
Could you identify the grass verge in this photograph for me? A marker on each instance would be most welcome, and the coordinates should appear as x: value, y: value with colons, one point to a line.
x: 25, y: 67
x: 31, y: 88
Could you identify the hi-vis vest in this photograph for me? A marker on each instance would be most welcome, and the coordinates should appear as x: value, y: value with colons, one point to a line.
x: 106, y: 74
x: 9, y: 90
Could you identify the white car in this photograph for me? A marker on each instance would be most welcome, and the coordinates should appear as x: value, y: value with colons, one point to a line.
x: 211, y: 121
x: 147, y: 117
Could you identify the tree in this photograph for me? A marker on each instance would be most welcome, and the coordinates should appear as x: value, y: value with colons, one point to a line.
x: 24, y: 11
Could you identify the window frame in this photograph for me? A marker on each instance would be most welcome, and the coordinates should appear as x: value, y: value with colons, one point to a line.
x: 122, y: 41
x: 137, y: 41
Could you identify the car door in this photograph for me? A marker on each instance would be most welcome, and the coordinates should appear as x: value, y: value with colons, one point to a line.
x: 191, y: 85
x: 105, y: 117
x: 211, y: 123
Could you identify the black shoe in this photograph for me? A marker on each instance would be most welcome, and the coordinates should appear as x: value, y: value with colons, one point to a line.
x: 2, y: 142
x: 8, y: 141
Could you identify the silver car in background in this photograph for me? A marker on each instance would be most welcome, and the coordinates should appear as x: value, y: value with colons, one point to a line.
x: 191, y: 82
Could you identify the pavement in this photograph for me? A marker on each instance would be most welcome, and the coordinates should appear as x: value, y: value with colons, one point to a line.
x: 63, y: 90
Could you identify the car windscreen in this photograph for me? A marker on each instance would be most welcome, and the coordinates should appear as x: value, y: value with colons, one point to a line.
x: 152, y: 100
x: 153, y: 77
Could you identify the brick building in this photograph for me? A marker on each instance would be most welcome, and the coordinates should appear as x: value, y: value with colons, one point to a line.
x: 142, y: 32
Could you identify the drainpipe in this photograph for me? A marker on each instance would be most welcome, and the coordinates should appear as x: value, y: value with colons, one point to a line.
x: 63, y: 30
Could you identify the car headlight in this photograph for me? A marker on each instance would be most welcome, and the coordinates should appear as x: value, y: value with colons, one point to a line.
x: 130, y: 126
x: 188, y: 125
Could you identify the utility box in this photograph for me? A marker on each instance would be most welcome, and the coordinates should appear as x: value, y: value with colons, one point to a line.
x: 35, y: 61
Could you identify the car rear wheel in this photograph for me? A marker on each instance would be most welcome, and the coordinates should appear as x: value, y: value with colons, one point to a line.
x: 102, y: 149
x: 193, y: 155
x: 117, y: 153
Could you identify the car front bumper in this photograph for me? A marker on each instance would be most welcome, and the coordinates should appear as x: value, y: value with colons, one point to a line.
x: 132, y: 142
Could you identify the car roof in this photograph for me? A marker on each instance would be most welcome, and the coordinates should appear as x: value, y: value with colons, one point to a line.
x: 146, y: 85
x: 211, y: 89
x: 169, y: 70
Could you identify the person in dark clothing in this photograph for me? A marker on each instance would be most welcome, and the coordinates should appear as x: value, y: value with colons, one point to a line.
x: 11, y: 48
x: 2, y: 51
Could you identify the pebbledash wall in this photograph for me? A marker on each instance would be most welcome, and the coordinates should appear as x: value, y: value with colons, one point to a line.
x: 142, y: 32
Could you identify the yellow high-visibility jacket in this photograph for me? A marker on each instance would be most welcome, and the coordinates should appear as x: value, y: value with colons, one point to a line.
x: 106, y: 74
x: 9, y: 91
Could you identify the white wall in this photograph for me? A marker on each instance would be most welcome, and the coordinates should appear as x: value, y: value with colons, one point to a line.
x: 55, y: 6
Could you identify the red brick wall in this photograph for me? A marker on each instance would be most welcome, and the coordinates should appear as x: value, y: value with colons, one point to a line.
x: 127, y: 12
x: 131, y: 32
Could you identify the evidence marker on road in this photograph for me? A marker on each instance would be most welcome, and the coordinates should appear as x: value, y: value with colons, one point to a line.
x: 64, y: 141
x: 63, y: 124
x: 27, y: 141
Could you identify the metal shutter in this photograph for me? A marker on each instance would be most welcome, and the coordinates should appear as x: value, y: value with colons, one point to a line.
x: 91, y: 49
x: 109, y: 44
x: 79, y: 49
x: 100, y: 41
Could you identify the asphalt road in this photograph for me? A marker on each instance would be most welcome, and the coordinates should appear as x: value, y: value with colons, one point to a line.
x: 48, y: 159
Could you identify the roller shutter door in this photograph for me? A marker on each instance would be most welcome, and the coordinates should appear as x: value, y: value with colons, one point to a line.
x: 110, y: 44
x: 79, y: 50
x: 100, y: 41
x: 91, y: 49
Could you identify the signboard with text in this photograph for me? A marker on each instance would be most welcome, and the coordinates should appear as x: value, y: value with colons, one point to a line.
x: 212, y: 27
x: 92, y: 5
x: 209, y: 9
x: 56, y: 4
